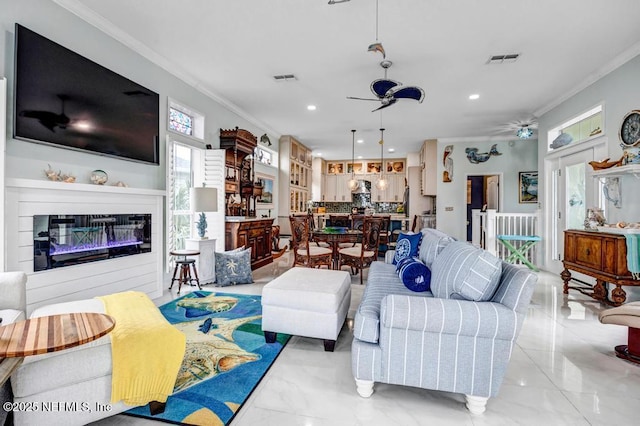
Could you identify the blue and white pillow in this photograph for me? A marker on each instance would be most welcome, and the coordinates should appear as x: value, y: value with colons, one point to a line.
x: 414, y: 274
x: 233, y: 267
x: 407, y: 246
x: 463, y: 271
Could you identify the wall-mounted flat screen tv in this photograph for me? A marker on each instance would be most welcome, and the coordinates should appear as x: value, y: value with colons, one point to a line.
x: 66, y: 100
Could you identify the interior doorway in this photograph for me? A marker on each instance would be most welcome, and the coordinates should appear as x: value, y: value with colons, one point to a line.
x: 483, y: 192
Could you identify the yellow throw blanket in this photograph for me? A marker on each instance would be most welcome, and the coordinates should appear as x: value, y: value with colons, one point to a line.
x: 147, y: 351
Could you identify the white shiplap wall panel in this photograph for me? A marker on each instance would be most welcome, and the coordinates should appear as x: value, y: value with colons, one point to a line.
x: 141, y: 272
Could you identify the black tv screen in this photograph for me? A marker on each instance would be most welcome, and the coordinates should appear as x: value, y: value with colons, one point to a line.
x: 66, y: 100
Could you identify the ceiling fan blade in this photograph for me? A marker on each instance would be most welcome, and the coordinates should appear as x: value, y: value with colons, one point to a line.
x: 362, y: 99
x: 384, y: 105
x: 382, y: 86
x: 409, y: 92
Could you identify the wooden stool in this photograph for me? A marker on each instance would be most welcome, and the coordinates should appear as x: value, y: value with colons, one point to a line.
x: 185, y: 265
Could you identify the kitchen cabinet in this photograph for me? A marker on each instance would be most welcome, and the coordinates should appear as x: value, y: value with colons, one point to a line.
x: 294, y: 180
x: 429, y: 165
x: 394, y: 193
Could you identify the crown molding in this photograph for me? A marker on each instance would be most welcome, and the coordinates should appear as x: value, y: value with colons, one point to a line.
x: 476, y: 139
x: 616, y: 63
x: 101, y: 23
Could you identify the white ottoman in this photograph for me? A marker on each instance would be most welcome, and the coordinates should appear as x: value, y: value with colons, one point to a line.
x: 306, y: 302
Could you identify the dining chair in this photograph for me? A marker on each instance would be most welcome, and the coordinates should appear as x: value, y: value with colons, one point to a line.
x: 312, y: 227
x: 362, y: 255
x: 305, y: 254
x: 385, y: 232
x: 357, y: 221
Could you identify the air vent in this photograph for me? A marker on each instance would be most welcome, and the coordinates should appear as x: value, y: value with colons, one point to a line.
x: 503, y: 59
x: 284, y: 77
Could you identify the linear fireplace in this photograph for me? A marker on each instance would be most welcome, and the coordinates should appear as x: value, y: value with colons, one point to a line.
x: 64, y: 240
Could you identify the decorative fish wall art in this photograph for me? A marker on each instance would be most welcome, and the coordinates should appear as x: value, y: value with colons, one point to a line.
x: 474, y: 157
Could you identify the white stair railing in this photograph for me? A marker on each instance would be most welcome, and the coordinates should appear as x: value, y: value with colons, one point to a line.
x: 486, y: 226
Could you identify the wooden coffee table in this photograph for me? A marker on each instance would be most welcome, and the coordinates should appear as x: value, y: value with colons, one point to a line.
x: 49, y: 334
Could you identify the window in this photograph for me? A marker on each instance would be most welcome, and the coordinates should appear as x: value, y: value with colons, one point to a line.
x: 182, y: 180
x: 185, y: 121
x: 180, y: 122
x: 578, y: 129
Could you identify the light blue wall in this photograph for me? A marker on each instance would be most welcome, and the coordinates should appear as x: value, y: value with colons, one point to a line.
x: 619, y: 91
x: 28, y: 160
x: 521, y: 157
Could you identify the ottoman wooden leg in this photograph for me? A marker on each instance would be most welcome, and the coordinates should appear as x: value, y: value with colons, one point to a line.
x: 270, y: 336
x: 156, y: 407
x: 329, y: 345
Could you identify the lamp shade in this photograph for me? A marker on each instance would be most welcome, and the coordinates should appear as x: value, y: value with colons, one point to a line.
x: 204, y: 199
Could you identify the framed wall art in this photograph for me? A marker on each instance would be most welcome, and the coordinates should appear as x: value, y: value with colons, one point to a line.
x: 374, y: 167
x: 355, y: 168
x: 528, y: 187
x: 266, y: 199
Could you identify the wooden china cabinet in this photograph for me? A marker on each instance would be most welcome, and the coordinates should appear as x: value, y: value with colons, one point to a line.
x: 242, y: 228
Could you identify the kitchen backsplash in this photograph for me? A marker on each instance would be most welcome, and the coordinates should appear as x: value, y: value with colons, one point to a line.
x: 346, y: 207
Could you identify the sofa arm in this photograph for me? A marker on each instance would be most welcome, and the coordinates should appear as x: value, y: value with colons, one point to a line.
x: 13, y: 291
x: 388, y: 256
x: 449, y: 316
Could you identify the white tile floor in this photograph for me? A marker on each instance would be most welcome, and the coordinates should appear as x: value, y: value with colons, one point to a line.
x: 562, y: 372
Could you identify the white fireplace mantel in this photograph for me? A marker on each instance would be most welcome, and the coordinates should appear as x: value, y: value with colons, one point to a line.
x: 26, y: 198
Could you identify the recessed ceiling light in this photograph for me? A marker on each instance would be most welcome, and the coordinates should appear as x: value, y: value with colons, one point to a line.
x: 359, y: 157
x: 474, y: 96
x: 392, y: 150
x: 360, y: 141
x: 311, y: 107
x: 318, y: 154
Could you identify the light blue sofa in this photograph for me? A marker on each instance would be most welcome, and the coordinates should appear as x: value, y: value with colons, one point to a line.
x: 441, y: 340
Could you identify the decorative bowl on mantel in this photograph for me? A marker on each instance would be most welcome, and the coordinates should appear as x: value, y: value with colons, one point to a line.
x: 99, y: 177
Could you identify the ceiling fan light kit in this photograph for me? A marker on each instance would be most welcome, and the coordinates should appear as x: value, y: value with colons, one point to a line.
x: 524, y: 132
x: 382, y: 183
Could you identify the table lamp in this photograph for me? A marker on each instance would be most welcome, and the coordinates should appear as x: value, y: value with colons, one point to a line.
x: 203, y: 200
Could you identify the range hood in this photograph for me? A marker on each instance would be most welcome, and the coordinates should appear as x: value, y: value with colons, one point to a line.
x: 362, y: 188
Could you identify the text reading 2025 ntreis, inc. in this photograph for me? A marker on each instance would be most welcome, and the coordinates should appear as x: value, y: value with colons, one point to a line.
x: 56, y: 406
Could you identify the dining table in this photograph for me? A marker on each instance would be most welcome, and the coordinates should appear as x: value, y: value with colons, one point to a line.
x: 335, y: 238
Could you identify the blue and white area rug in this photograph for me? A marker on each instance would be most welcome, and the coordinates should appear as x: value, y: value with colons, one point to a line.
x: 225, y: 359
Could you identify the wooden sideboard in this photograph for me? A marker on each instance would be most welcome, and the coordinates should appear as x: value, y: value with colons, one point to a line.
x: 254, y: 233
x: 602, y: 256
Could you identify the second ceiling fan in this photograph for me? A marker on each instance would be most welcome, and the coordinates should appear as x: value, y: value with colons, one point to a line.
x: 389, y: 91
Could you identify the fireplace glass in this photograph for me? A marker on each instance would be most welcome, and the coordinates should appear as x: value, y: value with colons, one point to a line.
x: 64, y: 240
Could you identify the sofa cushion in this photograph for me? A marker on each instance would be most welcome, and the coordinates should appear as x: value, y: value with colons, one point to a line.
x: 233, y: 268
x: 415, y: 275
x: 407, y: 246
x: 382, y: 280
x: 463, y: 271
x: 433, y: 242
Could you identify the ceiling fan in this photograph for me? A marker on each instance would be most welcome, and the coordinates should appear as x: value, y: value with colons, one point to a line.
x: 389, y: 91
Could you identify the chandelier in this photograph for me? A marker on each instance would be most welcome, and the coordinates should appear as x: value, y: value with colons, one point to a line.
x: 382, y: 183
x: 353, y: 183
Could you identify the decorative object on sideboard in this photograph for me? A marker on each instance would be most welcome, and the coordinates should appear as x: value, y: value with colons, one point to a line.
x: 474, y: 157
x: 594, y: 218
x: 58, y: 176
x: 121, y: 184
x: 605, y: 164
x: 99, y: 177
x: 203, y: 200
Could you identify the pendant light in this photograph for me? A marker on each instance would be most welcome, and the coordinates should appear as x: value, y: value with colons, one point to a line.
x: 382, y: 183
x: 353, y: 183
